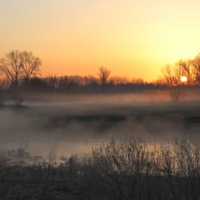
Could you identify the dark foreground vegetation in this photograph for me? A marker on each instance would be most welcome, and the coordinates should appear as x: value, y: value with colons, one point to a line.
x: 130, y: 169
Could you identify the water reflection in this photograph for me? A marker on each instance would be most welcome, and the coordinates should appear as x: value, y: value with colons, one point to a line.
x: 53, y: 131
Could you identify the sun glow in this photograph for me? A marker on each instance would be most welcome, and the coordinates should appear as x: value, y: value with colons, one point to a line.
x: 77, y: 37
x: 183, y: 78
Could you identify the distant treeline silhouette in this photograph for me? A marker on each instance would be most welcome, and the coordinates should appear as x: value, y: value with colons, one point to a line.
x: 80, y: 84
x: 21, y: 70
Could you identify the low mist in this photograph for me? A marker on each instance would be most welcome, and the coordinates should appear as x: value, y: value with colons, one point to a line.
x: 53, y: 127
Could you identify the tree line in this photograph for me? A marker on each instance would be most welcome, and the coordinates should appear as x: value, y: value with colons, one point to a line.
x: 21, y: 69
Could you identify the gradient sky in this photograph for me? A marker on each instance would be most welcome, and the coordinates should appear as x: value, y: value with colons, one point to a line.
x: 75, y: 37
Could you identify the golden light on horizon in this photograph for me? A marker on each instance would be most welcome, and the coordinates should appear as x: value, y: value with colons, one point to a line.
x: 183, y: 78
x: 77, y: 37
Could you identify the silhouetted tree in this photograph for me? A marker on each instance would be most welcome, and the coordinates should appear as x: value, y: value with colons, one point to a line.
x: 103, y: 75
x: 171, y: 76
x: 66, y: 83
x: 11, y: 66
x: 196, y: 69
x: 18, y: 65
x: 185, y: 66
x: 51, y: 82
x: 30, y: 65
x: 190, y: 68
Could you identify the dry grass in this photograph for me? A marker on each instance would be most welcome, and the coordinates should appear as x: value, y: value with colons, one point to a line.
x: 130, y: 169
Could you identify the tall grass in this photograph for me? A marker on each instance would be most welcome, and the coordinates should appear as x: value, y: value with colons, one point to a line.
x: 125, y: 170
x: 133, y: 169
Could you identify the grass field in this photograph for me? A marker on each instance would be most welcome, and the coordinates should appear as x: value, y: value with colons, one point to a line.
x: 46, y: 148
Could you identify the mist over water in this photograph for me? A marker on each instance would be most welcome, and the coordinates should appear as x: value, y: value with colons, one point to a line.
x: 53, y: 127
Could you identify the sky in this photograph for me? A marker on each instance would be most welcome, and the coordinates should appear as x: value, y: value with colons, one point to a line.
x: 131, y: 38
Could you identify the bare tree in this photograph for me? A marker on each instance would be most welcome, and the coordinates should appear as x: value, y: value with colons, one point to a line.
x: 196, y: 69
x: 51, y: 82
x: 185, y: 67
x: 18, y: 65
x: 171, y: 76
x: 167, y: 76
x: 103, y: 75
x: 66, y: 83
x: 30, y: 64
x: 11, y: 67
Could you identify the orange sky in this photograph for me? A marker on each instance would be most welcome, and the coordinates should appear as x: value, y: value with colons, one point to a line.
x: 131, y: 38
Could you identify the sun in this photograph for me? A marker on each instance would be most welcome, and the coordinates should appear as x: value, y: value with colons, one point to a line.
x: 183, y: 78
